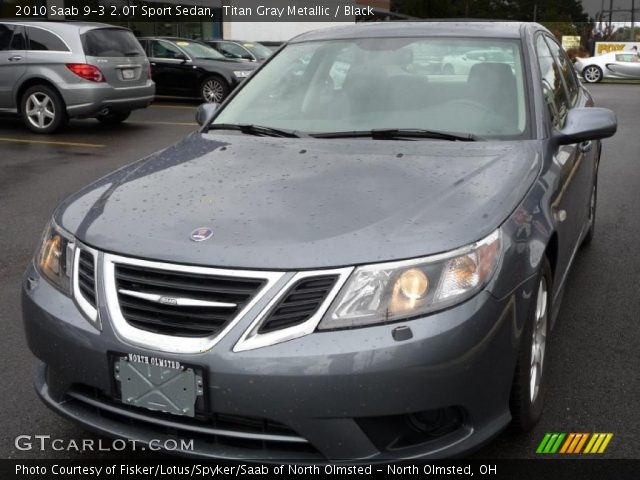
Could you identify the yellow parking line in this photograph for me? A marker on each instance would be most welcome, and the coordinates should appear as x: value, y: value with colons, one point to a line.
x: 150, y: 122
x: 51, y: 142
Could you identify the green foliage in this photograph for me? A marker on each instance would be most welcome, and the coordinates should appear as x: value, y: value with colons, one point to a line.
x: 556, y: 11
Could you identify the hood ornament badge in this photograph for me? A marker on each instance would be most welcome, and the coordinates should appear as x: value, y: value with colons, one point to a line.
x: 201, y: 234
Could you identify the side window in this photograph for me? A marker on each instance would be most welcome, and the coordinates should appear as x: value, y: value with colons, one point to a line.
x: 19, y: 40
x: 43, y: 40
x: 627, y: 57
x: 552, y: 86
x: 6, y: 33
x: 164, y: 50
x: 232, y: 50
x: 566, y: 68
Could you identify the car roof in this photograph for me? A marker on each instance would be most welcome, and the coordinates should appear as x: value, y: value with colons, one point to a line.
x: 172, y: 39
x: 417, y: 29
x: 230, y: 40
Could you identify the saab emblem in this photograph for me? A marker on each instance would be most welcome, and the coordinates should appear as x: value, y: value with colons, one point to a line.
x: 201, y: 234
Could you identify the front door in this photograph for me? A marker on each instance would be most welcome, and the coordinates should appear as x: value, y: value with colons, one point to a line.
x: 13, y: 62
x: 173, y: 73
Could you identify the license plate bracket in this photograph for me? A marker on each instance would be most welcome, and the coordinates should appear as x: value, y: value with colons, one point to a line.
x: 158, y: 384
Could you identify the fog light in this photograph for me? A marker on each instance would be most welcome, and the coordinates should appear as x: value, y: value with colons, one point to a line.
x: 436, y: 423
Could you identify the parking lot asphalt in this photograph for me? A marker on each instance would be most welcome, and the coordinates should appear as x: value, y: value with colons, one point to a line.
x: 594, y: 384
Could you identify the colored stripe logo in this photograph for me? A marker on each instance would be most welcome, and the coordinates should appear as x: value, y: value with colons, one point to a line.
x: 574, y: 443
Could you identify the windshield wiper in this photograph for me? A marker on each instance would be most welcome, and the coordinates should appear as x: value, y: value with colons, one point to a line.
x: 256, y: 130
x: 132, y: 54
x: 399, y: 133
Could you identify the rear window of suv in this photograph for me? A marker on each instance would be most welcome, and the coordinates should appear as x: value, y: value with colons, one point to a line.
x: 111, y: 42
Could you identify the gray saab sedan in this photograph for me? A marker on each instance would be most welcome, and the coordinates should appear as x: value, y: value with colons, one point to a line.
x: 358, y: 261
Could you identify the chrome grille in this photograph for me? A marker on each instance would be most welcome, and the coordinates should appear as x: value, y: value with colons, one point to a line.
x: 181, y: 303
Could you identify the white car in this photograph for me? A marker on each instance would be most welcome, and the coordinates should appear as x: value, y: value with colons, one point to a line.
x: 609, y: 65
x: 461, y: 64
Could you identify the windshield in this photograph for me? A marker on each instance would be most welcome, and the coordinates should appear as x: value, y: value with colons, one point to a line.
x: 257, y: 49
x: 468, y: 86
x: 198, y: 50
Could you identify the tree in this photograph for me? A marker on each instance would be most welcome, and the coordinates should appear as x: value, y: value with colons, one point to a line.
x: 565, y: 11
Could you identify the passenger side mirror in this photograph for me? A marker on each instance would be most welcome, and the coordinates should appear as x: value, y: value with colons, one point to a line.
x: 584, y: 124
x: 205, y: 113
x: 181, y: 56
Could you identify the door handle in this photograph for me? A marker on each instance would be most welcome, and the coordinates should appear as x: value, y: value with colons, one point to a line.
x: 585, y: 146
x: 15, y: 58
x: 153, y: 64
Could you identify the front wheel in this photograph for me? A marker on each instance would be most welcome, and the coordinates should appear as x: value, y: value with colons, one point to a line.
x: 43, y: 110
x: 214, y: 90
x: 448, y: 69
x: 529, y: 383
x: 113, y: 118
x: 592, y: 74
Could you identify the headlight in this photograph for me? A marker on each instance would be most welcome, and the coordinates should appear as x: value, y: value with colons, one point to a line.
x: 399, y: 290
x: 55, y: 256
x: 242, y: 73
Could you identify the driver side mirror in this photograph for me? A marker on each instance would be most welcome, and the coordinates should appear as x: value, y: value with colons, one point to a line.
x: 205, y: 113
x: 585, y: 124
x: 181, y: 56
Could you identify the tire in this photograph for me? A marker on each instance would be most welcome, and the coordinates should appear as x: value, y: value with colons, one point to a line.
x: 529, y: 382
x: 592, y: 74
x: 43, y: 110
x: 113, y: 118
x: 588, y: 238
x: 448, y: 69
x: 214, y: 89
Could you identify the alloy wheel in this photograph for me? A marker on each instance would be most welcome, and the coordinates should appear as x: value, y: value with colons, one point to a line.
x: 40, y: 109
x: 592, y: 74
x: 213, y: 91
x: 539, y: 341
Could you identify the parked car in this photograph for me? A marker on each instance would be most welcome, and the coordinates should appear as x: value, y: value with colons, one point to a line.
x: 322, y: 276
x: 189, y: 68
x: 461, y: 64
x: 243, y: 50
x: 609, y: 65
x: 271, y: 45
x: 53, y: 71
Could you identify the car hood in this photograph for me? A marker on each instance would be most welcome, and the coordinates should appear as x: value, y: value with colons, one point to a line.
x: 276, y: 203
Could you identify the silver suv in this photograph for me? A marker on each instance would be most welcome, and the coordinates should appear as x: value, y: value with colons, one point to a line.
x: 53, y: 71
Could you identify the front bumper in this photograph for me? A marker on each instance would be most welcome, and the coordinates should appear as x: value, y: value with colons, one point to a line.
x: 334, y: 395
x: 89, y: 99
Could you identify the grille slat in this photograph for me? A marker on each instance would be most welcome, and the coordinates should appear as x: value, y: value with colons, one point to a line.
x: 190, y: 282
x: 87, y: 277
x: 168, y: 326
x: 199, y: 313
x: 188, y: 321
x: 299, y: 304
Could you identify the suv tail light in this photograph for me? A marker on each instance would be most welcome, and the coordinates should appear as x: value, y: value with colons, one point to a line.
x: 88, y: 72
